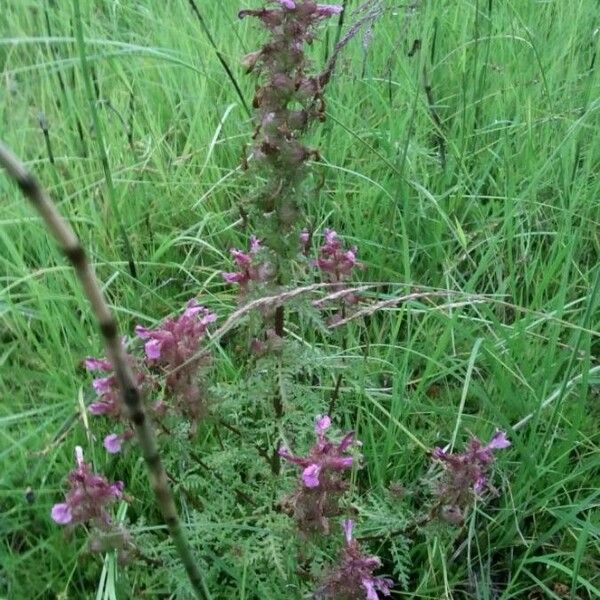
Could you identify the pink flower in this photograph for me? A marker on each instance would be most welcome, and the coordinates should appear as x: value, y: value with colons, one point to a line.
x: 289, y: 4
x: 152, y: 348
x: 61, y: 513
x: 310, y: 476
x: 334, y: 260
x: 175, y: 340
x: 499, y: 441
x: 103, y: 385
x: 465, y: 474
x: 233, y: 277
x: 113, y: 443
x: 324, y: 455
x: 174, y: 346
x: 97, y: 364
x: 100, y: 408
x: 87, y: 498
x: 251, y: 268
x: 255, y: 245
x: 305, y: 237
x: 322, y: 423
x: 353, y: 576
x: 107, y: 388
x: 327, y: 10
x: 320, y: 483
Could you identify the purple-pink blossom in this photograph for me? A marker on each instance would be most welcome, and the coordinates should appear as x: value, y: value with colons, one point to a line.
x: 176, y: 340
x: 113, y: 442
x: 335, y: 260
x: 106, y: 388
x: 320, y: 481
x: 466, y: 472
x: 310, y: 476
x: 108, y: 401
x: 321, y: 10
x: 352, y: 578
x: 175, y: 348
x: 327, y: 10
x: 250, y: 266
x: 88, y: 496
x: 305, y: 238
x: 324, y: 455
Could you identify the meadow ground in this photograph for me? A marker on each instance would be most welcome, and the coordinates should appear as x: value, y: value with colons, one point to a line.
x: 460, y: 155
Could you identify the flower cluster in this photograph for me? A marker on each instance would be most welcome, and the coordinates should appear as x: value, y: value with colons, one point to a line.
x: 334, y: 260
x: 465, y: 475
x: 173, y: 347
x: 305, y: 238
x: 337, y: 264
x: 251, y: 267
x: 352, y: 578
x: 320, y: 483
x: 108, y: 402
x: 85, y: 504
x: 87, y: 498
x: 288, y: 100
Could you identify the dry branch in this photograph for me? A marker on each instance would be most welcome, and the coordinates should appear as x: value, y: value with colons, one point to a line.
x: 130, y: 393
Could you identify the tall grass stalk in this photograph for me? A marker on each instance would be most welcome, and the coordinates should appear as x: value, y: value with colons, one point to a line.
x: 130, y: 393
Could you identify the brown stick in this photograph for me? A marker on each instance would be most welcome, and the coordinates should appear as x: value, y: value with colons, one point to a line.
x: 130, y: 393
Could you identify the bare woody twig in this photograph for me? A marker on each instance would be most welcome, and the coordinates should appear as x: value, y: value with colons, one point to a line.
x: 130, y: 393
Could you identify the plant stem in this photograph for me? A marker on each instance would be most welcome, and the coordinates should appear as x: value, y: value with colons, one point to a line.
x: 130, y: 393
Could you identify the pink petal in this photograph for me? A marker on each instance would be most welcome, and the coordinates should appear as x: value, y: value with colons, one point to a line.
x: 322, y: 423
x: 480, y: 484
x: 233, y: 277
x: 99, y: 408
x: 330, y: 236
x: 384, y: 585
x: 192, y: 308
x: 61, y: 514
x: 310, y: 476
x: 116, y: 489
x: 438, y: 454
x: 97, y: 364
x: 289, y: 4
x: 142, y: 332
x: 255, y: 245
x: 341, y: 462
x: 102, y: 385
x: 113, y: 443
x: 209, y: 317
x: 297, y: 460
x: 367, y: 583
x: 327, y: 10
x: 347, y: 441
x: 350, y: 256
x: 284, y: 452
x: 347, y: 526
x: 152, y: 349
x: 241, y: 258
x: 499, y: 441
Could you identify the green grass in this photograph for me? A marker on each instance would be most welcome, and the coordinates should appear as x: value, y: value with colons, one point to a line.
x: 509, y: 226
